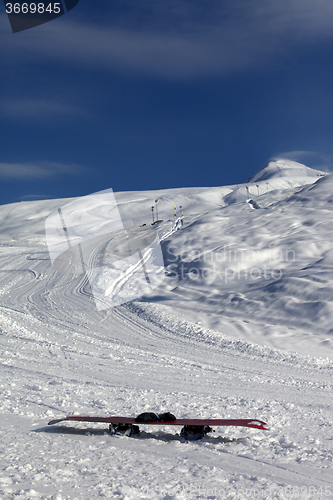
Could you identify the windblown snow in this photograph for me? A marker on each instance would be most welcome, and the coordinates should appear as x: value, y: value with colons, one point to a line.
x: 241, y: 327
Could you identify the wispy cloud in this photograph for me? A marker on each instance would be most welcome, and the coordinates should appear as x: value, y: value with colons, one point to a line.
x: 37, y: 108
x: 311, y: 159
x: 38, y: 170
x: 192, y: 42
x: 34, y: 197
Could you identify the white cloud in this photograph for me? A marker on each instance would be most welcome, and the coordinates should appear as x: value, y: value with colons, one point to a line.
x: 34, y: 197
x: 239, y: 35
x: 36, y: 108
x: 38, y: 170
x: 311, y: 159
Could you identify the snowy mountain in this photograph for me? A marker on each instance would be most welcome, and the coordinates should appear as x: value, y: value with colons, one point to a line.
x: 241, y: 327
x: 291, y: 171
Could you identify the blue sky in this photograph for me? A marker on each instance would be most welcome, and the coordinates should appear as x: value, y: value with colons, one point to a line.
x: 134, y: 95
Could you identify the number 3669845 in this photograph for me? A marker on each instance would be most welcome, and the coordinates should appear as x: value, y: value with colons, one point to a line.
x: 33, y: 8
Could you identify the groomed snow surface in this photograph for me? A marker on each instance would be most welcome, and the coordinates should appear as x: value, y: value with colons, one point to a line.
x: 241, y: 327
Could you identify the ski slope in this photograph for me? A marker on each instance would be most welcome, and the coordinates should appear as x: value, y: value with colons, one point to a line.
x: 241, y: 327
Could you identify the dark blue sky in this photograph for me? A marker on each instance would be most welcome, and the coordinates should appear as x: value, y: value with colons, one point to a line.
x: 134, y: 95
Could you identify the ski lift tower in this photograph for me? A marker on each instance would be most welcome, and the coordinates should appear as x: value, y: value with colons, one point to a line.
x: 156, y: 209
x: 157, y: 219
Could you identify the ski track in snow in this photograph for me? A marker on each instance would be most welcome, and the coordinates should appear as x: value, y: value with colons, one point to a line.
x: 61, y: 356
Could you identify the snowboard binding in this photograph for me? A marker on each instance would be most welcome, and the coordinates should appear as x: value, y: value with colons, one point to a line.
x: 131, y: 429
x: 195, y: 432
x: 124, y: 429
x: 155, y: 417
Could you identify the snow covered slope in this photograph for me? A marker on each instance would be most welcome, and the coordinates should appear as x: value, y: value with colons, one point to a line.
x: 268, y: 270
x: 291, y: 171
x: 240, y: 328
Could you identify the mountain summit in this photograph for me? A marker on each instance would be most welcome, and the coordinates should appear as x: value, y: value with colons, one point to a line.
x: 281, y: 167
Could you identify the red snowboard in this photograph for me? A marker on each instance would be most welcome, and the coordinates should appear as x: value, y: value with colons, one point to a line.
x: 253, y: 423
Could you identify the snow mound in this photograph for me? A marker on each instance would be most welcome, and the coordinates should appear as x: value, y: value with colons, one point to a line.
x: 276, y: 175
x: 285, y: 168
x: 253, y: 204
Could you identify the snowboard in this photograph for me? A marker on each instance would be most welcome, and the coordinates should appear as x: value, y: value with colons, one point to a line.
x: 252, y: 423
